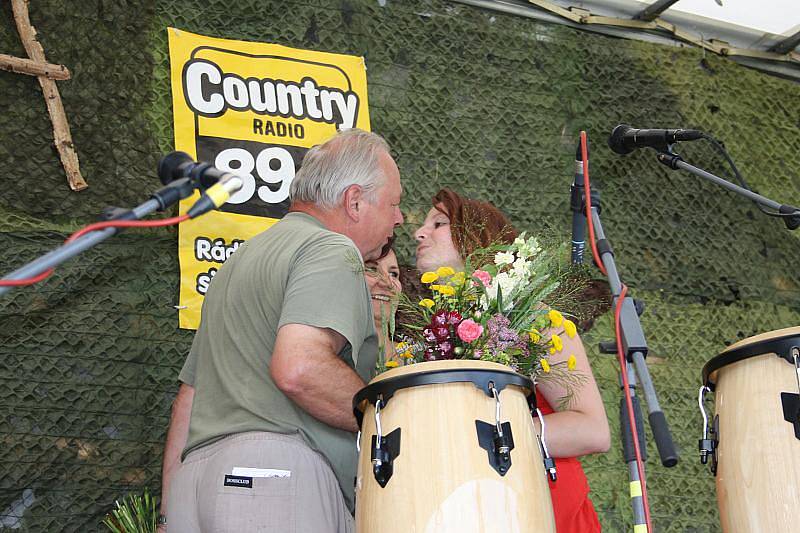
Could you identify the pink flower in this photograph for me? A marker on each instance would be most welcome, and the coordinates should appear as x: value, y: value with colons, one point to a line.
x: 484, y: 276
x: 469, y: 330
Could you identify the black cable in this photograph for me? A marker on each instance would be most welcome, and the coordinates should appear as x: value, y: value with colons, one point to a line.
x: 721, y: 149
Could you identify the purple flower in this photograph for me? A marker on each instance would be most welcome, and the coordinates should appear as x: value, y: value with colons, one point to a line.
x: 501, y: 337
x: 447, y: 349
x: 453, y: 318
x: 439, y: 319
x: 441, y: 333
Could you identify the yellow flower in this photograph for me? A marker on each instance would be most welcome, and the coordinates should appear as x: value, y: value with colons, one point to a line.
x: 427, y: 302
x: 392, y: 364
x: 458, y: 278
x: 572, y: 362
x: 545, y: 365
x: 555, y: 317
x: 402, y: 349
x: 429, y: 277
x: 447, y: 290
x: 569, y: 328
x: 535, y: 335
x: 558, y: 345
x: 443, y: 272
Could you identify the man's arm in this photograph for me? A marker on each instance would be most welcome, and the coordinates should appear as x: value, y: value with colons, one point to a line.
x: 177, y: 435
x: 306, y: 368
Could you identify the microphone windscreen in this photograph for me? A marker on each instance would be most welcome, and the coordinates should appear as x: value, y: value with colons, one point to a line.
x: 616, y: 141
x: 170, y: 168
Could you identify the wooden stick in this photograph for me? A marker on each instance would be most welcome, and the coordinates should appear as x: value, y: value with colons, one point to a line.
x: 34, y: 68
x: 63, y: 139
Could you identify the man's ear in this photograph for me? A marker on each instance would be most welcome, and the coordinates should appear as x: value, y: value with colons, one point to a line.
x: 353, y: 201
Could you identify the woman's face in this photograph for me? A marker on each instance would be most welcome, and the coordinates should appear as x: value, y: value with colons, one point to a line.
x: 435, y: 246
x: 383, y: 280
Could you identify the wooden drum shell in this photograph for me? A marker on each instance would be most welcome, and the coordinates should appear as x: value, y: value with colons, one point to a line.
x: 442, y: 480
x: 758, y: 472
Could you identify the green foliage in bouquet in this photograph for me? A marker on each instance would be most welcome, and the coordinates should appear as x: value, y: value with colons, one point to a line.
x: 134, y: 514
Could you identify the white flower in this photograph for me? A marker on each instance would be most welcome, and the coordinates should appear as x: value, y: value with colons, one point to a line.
x: 507, y: 284
x: 526, y: 246
x: 530, y: 247
x: 503, y: 258
x: 521, y: 267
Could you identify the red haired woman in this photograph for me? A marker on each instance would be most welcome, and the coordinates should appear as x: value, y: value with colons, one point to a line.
x: 454, y: 228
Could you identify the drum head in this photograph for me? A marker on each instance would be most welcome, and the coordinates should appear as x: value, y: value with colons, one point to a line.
x: 779, y: 342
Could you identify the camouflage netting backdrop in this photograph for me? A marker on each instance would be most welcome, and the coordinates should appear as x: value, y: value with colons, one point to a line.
x: 488, y: 104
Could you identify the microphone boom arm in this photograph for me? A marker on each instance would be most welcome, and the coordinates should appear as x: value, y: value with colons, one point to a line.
x: 160, y: 200
x: 790, y: 214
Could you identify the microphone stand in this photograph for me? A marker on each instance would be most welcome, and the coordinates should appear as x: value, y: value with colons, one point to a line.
x: 160, y: 200
x: 634, y: 347
x: 789, y: 214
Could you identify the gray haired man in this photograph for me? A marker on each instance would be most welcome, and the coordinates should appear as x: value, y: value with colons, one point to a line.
x: 285, y: 341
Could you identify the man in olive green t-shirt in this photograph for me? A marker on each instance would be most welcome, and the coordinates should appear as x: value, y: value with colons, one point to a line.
x: 285, y: 341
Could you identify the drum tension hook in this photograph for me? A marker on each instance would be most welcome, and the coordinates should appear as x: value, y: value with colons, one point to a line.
x: 708, y: 444
x: 549, y: 462
x: 496, y: 438
x: 384, y: 449
x: 791, y: 401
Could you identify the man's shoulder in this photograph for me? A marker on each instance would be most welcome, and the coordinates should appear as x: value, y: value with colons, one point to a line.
x: 305, y: 230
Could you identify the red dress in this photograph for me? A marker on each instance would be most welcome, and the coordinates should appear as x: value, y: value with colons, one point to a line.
x: 572, y: 507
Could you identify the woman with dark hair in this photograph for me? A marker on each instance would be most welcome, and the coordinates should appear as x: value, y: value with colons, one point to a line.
x: 454, y: 228
x: 383, y: 280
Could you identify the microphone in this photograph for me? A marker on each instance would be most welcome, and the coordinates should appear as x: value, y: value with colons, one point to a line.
x: 217, y: 186
x: 625, y: 139
x: 576, y: 199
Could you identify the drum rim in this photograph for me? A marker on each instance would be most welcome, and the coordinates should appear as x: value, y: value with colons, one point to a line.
x: 477, y: 376
x: 779, y: 345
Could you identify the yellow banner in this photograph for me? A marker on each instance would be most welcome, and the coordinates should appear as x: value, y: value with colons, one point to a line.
x: 252, y: 109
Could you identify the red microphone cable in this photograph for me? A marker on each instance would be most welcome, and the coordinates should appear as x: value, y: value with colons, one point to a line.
x: 95, y: 227
x: 127, y: 224
x: 617, y: 330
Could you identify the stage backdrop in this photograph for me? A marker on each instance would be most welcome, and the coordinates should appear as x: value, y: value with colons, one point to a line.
x: 485, y: 103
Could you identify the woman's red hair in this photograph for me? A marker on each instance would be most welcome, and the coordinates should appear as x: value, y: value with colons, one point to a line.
x: 474, y: 224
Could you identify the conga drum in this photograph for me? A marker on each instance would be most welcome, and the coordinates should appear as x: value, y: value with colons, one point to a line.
x: 754, y: 439
x: 458, y: 452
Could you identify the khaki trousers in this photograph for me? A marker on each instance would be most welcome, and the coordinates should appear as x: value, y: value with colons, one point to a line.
x: 286, y: 487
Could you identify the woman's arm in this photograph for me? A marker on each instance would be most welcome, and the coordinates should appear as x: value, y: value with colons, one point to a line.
x: 582, y: 427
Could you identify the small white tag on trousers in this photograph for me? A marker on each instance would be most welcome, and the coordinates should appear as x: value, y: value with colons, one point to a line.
x: 260, y: 472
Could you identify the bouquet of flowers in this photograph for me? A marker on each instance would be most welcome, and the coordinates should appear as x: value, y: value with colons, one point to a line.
x: 494, y: 312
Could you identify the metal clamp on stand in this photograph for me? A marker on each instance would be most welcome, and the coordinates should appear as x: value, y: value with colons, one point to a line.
x: 384, y: 449
x: 496, y: 438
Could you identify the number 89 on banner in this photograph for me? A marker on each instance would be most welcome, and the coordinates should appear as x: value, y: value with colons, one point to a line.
x: 272, y: 165
x: 267, y: 172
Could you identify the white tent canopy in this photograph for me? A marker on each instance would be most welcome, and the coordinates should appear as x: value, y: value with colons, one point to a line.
x: 763, y: 34
x: 774, y: 17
